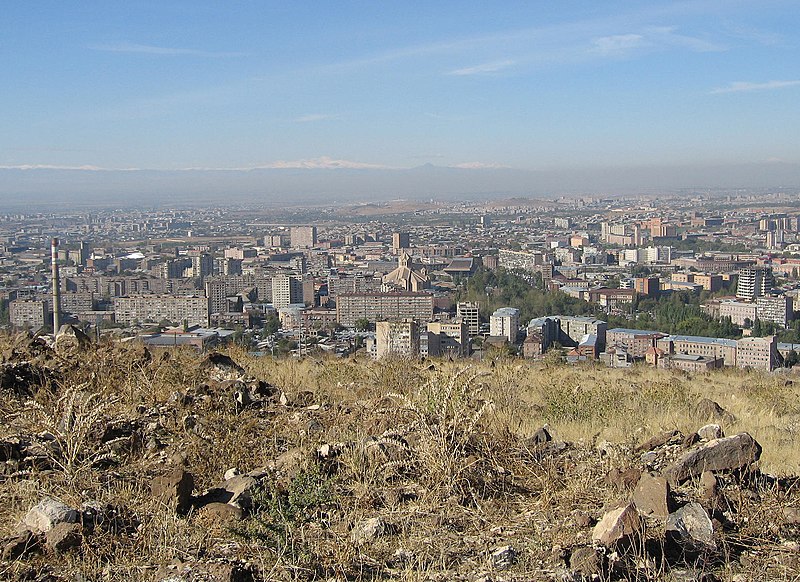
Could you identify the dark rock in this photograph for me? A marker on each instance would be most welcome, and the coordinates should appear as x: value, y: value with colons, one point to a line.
x: 221, y: 366
x: 658, y: 440
x: 585, y: 561
x: 174, y: 489
x: 64, y: 537
x: 22, y: 379
x: 725, y: 454
x: 652, y: 496
x: 540, y: 437
x: 709, y: 410
x: 504, y: 557
x: 582, y: 519
x: 617, y: 525
x: 21, y: 546
x: 691, y: 528
x: 709, y: 488
x: 623, y: 479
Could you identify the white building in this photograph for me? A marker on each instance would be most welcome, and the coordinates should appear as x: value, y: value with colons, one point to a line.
x: 505, y: 323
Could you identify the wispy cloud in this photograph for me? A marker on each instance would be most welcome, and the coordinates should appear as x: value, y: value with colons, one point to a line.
x: 311, y: 117
x: 746, y: 86
x: 483, y: 69
x: 616, y: 44
x: 147, y: 49
x: 321, y: 163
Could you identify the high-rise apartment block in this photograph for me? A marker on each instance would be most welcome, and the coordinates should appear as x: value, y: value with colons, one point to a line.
x: 303, y: 237
x: 28, y: 313
x: 469, y: 313
x: 400, y: 240
x: 754, y: 282
x: 397, y: 338
x: 286, y: 290
x: 504, y: 322
x: 143, y: 308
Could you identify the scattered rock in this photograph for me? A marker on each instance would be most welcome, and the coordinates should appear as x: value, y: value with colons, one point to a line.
x: 174, y: 489
x: 585, y: 561
x: 64, y: 537
x: 691, y: 528
x: 725, y: 454
x: 709, y: 488
x: 623, y: 479
x: 709, y: 410
x: 71, y: 340
x: 709, y: 432
x: 582, y: 519
x: 47, y: 514
x: 617, y: 525
x: 651, y: 496
x: 21, y: 545
x: 504, y: 557
x: 658, y: 440
x: 791, y: 516
x: 540, y: 437
x: 369, y: 530
x: 221, y: 366
x: 221, y: 512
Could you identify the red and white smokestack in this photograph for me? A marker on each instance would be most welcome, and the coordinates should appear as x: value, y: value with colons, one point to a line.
x: 56, y: 286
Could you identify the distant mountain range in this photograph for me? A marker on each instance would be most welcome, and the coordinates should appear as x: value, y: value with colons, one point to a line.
x: 39, y: 186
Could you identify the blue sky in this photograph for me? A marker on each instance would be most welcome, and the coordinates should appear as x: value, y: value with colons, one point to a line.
x: 530, y: 85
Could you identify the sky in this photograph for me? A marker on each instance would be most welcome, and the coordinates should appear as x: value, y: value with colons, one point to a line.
x: 529, y: 85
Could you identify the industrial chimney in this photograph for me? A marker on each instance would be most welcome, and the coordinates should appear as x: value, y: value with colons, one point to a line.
x: 56, y: 286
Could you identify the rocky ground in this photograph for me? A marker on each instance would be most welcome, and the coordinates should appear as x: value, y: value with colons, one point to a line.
x: 122, y: 464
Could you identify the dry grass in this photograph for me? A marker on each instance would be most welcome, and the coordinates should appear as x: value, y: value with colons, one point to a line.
x: 436, y: 449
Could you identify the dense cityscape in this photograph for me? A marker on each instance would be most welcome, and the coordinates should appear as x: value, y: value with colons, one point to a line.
x: 692, y: 280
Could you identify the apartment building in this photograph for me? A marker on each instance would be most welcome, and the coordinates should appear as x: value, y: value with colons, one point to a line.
x: 28, y: 313
x: 504, y: 322
x: 154, y: 308
x: 396, y: 338
x: 469, y: 312
x: 374, y: 307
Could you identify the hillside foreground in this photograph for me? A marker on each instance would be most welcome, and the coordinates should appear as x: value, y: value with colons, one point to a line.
x: 125, y: 464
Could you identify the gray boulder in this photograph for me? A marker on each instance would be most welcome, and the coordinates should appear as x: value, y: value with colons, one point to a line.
x: 725, y: 454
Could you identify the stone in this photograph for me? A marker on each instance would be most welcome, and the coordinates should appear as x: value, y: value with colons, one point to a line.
x: 369, y: 530
x: 623, y: 479
x: 64, y: 537
x: 47, y: 514
x: 585, y: 561
x: 725, y: 454
x: 582, y: 519
x: 174, y: 489
x: 658, y: 440
x: 617, y: 525
x: 791, y: 516
x: 540, y: 437
x: 21, y: 545
x: 709, y: 488
x: 709, y: 432
x: 240, y: 487
x: 71, y: 339
x: 221, y: 512
x: 707, y: 409
x: 652, y: 496
x: 691, y: 528
x: 221, y: 366
x: 504, y: 557
x: 231, y: 473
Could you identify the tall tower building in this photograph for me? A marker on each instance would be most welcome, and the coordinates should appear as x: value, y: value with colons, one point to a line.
x: 400, y: 240
x: 286, y: 290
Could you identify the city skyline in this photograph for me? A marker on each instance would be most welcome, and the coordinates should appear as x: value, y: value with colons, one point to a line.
x: 646, y: 88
